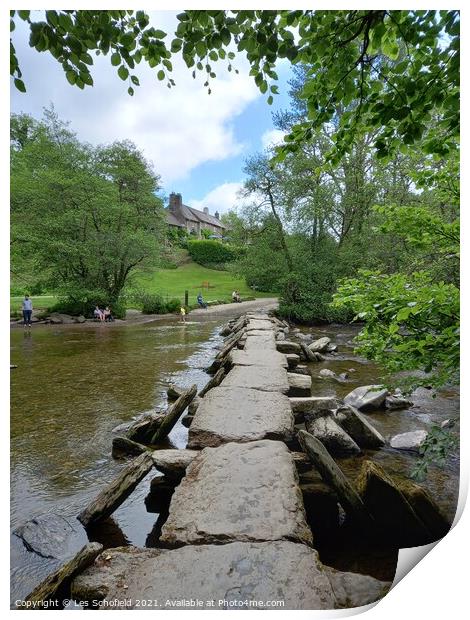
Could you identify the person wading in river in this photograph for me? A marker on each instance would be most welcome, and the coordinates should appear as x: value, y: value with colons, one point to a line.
x: 27, y: 307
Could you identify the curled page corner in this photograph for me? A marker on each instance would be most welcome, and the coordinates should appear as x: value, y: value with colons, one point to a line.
x: 408, y: 558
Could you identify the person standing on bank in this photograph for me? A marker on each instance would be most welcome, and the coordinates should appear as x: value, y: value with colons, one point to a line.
x: 27, y: 311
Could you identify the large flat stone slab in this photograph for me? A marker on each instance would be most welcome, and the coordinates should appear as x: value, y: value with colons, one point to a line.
x: 238, y: 492
x: 228, y: 574
x: 265, y: 340
x: 259, y: 324
x: 267, y: 379
x: 240, y: 414
x: 257, y: 358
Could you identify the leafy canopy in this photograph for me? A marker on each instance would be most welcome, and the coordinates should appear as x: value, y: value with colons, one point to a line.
x: 401, y: 66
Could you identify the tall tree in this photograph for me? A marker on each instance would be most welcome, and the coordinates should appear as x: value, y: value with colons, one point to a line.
x: 87, y: 216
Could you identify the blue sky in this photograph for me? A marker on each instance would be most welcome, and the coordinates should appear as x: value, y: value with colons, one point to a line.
x: 197, y: 142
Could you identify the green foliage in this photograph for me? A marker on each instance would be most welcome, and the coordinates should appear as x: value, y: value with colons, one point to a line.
x: 153, y: 304
x: 212, y: 252
x: 438, y: 446
x: 85, y: 303
x: 173, y: 305
x: 177, y: 236
x: 87, y: 217
x: 206, y: 233
x: 400, y: 67
x: 411, y: 323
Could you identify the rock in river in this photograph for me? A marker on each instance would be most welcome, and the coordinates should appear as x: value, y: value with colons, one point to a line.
x: 409, y: 441
x: 48, y: 535
x: 320, y: 345
x: 393, y: 514
x: 326, y: 372
x: 367, y: 397
x: 397, y: 401
x: 358, y: 427
x: 322, y: 426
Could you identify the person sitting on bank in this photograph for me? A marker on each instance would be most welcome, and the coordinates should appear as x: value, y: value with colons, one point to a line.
x: 27, y: 307
x: 98, y: 313
x: 201, y: 302
x: 234, y: 296
x: 108, y: 315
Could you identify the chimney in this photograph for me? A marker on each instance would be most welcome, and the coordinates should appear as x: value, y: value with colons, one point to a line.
x: 176, y: 202
x: 206, y: 210
x: 216, y: 214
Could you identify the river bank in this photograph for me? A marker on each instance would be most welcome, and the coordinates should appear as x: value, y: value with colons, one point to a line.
x: 136, y: 317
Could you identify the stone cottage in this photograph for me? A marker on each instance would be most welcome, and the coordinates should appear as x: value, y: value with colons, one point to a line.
x: 193, y: 220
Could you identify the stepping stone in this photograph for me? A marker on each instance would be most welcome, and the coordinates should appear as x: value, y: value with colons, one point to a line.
x: 266, y: 341
x: 226, y: 574
x: 238, y: 492
x: 240, y: 414
x: 173, y: 462
x: 299, y: 385
x: 256, y: 324
x: 257, y: 358
x: 267, y: 379
x: 285, y: 346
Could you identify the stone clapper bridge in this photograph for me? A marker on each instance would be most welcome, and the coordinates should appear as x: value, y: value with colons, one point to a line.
x: 236, y: 534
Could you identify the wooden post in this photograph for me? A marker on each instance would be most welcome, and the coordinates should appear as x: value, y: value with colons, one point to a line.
x: 173, y: 413
x: 117, y: 491
x: 214, y: 382
x: 186, y: 298
x: 50, y: 593
x: 330, y: 472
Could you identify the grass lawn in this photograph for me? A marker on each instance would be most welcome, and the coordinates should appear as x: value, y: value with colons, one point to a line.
x: 192, y: 277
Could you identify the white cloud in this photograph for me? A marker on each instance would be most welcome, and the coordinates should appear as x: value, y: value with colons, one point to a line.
x: 177, y: 129
x: 222, y: 198
x: 272, y: 137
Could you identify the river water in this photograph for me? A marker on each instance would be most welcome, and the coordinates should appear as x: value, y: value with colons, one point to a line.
x: 75, y: 384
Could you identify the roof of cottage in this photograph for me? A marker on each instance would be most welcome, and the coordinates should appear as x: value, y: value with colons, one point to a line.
x: 193, y: 215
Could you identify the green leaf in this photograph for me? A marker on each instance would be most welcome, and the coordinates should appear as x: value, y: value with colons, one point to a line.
x: 71, y: 77
x: 161, y: 75
x: 135, y: 80
x: 116, y: 59
x: 176, y: 45
x: 130, y: 90
x: 20, y: 85
x: 123, y: 72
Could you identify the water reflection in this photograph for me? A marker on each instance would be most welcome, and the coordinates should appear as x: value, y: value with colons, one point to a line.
x: 73, y: 385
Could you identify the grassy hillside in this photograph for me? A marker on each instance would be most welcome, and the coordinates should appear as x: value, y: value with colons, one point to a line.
x: 194, y: 278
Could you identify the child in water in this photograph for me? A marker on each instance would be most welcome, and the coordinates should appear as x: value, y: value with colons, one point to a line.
x: 183, y: 314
